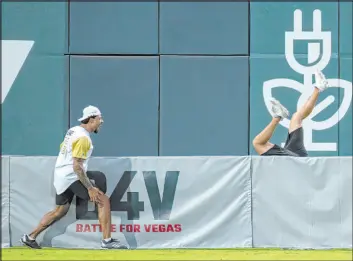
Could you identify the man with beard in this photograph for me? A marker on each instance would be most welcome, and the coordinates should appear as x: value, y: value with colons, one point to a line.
x: 71, y: 178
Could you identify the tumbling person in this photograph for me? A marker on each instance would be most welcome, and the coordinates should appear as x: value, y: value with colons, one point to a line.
x: 294, y: 145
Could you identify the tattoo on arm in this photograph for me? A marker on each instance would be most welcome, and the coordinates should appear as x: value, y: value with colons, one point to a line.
x: 78, y: 168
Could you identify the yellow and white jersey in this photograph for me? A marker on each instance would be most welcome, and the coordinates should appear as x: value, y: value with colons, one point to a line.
x: 77, y: 144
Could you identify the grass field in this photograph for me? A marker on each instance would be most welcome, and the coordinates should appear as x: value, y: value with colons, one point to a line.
x: 20, y: 253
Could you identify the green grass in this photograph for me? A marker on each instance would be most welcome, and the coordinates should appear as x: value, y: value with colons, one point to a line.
x: 20, y: 253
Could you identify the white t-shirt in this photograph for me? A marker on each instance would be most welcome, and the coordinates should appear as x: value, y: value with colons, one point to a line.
x: 77, y: 144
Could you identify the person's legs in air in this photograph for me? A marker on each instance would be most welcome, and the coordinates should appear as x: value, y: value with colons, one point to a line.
x: 261, y: 141
x: 295, y: 140
x: 303, y: 112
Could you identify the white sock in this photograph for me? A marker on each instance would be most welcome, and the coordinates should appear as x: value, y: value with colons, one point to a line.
x: 30, y: 238
x: 107, y: 240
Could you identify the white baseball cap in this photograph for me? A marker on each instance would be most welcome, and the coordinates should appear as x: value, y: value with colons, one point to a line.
x: 90, y: 111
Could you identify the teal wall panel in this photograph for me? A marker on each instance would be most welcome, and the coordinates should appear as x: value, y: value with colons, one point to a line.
x: 346, y: 28
x: 270, y: 21
x: 114, y: 27
x: 126, y: 91
x: 271, y: 58
x: 204, y: 106
x: 204, y: 27
x: 345, y: 125
x: 35, y: 112
x: 42, y: 22
x: 346, y: 71
x: 265, y: 69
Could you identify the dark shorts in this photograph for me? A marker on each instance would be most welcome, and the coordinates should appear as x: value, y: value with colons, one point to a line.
x: 77, y: 189
x: 294, y: 146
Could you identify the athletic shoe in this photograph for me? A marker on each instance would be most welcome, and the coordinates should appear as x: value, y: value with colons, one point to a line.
x: 320, y: 81
x: 278, y: 110
x: 29, y: 242
x: 113, y: 244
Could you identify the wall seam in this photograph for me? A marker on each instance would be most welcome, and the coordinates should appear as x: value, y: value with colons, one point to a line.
x: 248, y: 145
x: 339, y: 75
x: 159, y: 85
x: 69, y: 64
x: 249, y: 72
x: 153, y: 55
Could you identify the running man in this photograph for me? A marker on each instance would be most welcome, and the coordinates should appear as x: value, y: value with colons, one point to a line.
x: 294, y: 145
x: 71, y: 178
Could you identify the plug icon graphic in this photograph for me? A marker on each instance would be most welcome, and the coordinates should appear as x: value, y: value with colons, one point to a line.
x: 315, y: 61
x: 314, y: 50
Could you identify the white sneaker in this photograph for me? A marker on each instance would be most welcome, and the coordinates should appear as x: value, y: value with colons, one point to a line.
x: 320, y: 81
x: 278, y: 110
x: 112, y: 244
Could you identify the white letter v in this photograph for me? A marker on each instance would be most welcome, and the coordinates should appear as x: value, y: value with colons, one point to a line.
x: 14, y: 53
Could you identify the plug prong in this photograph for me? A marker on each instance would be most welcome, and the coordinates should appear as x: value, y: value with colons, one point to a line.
x: 298, y: 20
x: 317, y: 20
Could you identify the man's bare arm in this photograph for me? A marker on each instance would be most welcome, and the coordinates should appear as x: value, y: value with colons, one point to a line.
x: 82, y: 176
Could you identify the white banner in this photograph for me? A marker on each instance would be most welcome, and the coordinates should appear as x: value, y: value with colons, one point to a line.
x: 302, y: 202
x: 193, y: 202
x: 157, y: 202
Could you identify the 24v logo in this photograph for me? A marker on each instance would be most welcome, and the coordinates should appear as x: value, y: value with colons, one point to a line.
x: 161, y: 207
